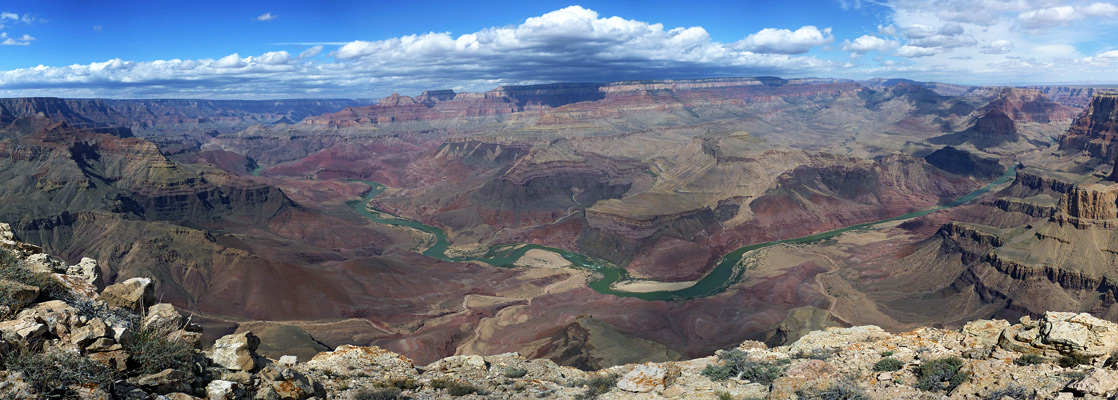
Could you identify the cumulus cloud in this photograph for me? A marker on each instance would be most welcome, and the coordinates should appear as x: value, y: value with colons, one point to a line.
x: 1040, y: 20
x: 272, y: 58
x: 867, y: 43
x: 265, y: 17
x: 24, y: 40
x: 784, y: 41
x: 917, y: 51
x: 229, y: 61
x: 571, y: 44
x: 1000, y: 46
x: 1101, y: 10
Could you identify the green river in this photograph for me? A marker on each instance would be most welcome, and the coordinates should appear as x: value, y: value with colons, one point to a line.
x: 725, y: 273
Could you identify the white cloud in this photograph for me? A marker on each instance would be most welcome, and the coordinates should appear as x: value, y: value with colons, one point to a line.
x: 571, y: 44
x: 1101, y: 10
x: 1000, y: 46
x: 784, y: 41
x: 229, y: 61
x: 24, y: 40
x: 311, y: 52
x: 272, y: 58
x: 1044, y: 18
x: 947, y: 42
x: 265, y: 17
x: 7, y: 17
x: 867, y: 43
x: 916, y: 51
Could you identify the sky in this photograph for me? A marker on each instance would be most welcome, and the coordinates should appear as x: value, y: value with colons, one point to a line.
x: 368, y: 49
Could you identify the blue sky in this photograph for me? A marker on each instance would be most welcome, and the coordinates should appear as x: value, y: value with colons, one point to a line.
x: 243, y: 49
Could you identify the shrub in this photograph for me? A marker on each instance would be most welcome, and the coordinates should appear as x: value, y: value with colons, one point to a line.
x: 942, y: 374
x: 95, y: 309
x: 461, y: 389
x: 515, y: 372
x: 1074, y: 360
x: 887, y: 353
x: 1029, y: 359
x: 53, y: 372
x: 153, y: 351
x: 1012, y: 391
x: 888, y: 364
x: 841, y: 390
x: 453, y: 387
x: 12, y: 269
x: 599, y: 385
x: 737, y: 364
x: 404, y: 383
x: 442, y: 383
x: 719, y: 372
x: 723, y: 395
x: 378, y: 394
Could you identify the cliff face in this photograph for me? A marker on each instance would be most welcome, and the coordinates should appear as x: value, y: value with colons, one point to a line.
x: 581, y: 100
x: 1095, y: 129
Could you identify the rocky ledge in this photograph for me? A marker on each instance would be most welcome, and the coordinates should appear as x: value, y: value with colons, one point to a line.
x: 63, y: 335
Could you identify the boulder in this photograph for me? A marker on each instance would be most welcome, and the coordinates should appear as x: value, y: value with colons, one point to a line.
x: 368, y: 360
x: 19, y: 294
x: 55, y: 314
x: 77, y: 286
x: 13, y: 385
x: 133, y: 294
x: 117, y: 359
x: 458, y: 364
x: 87, y: 270
x: 985, y: 332
x: 222, y: 390
x: 643, y: 379
x: 43, y: 263
x: 1097, y: 382
x: 91, y: 331
x: 194, y: 339
x: 236, y: 352
x: 1062, y: 333
x: 22, y: 330
x: 288, y: 383
x: 167, y: 381
x: 162, y: 317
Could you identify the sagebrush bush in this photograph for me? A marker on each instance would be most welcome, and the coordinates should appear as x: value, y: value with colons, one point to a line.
x: 737, y: 364
x: 599, y: 385
x: 1029, y: 359
x: 944, y: 374
x: 1074, y: 360
x: 515, y: 372
x: 888, y: 364
x: 1012, y: 391
x: 52, y: 373
x: 377, y: 394
x: 453, y: 387
x: 841, y: 390
x: 12, y: 269
x: 153, y: 351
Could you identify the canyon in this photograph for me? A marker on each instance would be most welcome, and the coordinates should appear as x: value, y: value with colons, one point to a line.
x: 242, y: 213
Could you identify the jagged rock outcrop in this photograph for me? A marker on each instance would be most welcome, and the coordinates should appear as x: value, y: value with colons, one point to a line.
x: 1095, y: 129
